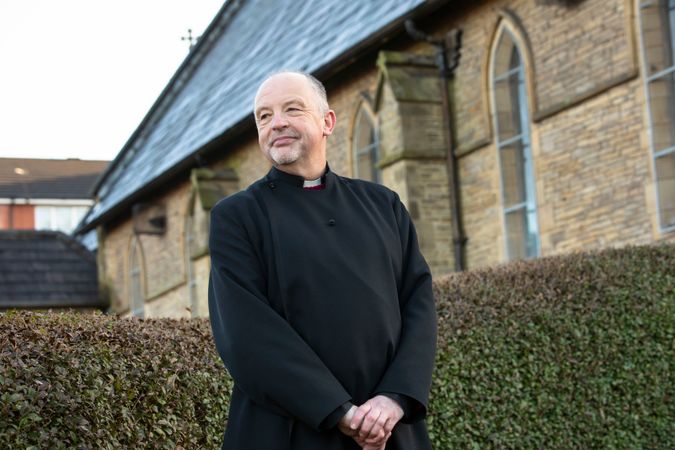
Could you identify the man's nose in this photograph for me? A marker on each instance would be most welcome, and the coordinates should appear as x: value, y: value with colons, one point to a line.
x: 279, y: 121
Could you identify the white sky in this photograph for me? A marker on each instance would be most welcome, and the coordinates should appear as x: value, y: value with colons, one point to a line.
x: 78, y: 76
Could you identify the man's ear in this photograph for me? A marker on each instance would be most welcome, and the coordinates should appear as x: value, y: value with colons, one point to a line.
x: 329, y: 120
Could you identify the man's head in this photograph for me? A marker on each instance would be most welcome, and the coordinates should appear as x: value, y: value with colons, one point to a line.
x: 293, y: 121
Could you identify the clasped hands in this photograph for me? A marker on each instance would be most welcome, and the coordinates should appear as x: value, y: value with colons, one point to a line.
x: 370, y: 424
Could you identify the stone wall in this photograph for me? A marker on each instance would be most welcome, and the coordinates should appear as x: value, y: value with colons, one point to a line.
x: 593, y: 169
x: 163, y: 259
x: 482, y: 214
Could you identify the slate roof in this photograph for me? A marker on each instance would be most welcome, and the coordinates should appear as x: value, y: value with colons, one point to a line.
x: 212, y: 92
x: 46, y: 269
x: 48, y: 178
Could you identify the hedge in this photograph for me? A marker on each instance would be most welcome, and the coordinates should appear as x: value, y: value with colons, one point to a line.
x: 565, y: 352
x: 571, y: 352
x: 100, y: 382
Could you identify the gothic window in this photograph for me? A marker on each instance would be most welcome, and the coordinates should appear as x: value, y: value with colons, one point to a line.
x: 512, y: 125
x: 365, y: 144
x: 136, y: 298
x: 657, y: 23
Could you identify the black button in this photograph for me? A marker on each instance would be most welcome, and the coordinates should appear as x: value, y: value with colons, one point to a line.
x: 331, y: 222
x: 272, y: 185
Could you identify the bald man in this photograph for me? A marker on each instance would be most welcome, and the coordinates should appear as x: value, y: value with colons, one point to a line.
x: 320, y: 300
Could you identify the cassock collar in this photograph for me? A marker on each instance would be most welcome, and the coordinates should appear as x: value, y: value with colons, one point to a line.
x: 296, y: 180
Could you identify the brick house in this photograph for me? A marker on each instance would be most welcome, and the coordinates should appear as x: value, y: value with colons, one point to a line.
x: 41, y: 266
x: 46, y: 194
x: 559, y: 134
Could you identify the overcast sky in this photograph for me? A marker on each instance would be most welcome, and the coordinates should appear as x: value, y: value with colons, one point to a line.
x: 78, y: 76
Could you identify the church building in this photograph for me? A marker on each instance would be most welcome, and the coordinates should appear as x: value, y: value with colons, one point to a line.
x: 511, y: 129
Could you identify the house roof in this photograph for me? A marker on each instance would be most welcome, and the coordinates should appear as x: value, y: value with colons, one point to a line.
x: 48, y: 178
x: 211, y: 94
x: 46, y: 269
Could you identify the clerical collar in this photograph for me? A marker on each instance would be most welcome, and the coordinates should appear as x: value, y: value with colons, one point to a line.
x: 296, y: 180
x: 312, y: 183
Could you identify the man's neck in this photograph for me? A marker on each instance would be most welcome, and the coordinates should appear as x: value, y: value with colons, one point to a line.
x: 307, y: 173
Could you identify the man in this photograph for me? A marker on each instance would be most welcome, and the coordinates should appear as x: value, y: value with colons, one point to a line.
x: 320, y: 301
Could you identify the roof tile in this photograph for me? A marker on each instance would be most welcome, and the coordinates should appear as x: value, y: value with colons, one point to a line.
x: 42, y: 269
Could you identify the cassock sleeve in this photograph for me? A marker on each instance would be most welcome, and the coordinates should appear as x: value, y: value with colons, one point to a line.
x: 409, y: 373
x: 264, y: 355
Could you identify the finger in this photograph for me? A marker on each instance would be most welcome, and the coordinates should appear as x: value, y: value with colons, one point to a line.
x: 378, y: 432
x: 359, y: 414
x: 350, y: 413
x: 377, y: 442
x: 359, y: 441
x: 389, y: 425
x: 346, y: 430
x: 368, y: 427
x: 344, y: 422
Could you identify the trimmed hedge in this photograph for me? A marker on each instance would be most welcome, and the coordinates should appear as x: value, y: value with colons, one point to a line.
x: 565, y: 352
x: 74, y: 381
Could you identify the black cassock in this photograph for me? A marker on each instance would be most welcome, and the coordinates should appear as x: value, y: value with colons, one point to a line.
x: 317, y: 298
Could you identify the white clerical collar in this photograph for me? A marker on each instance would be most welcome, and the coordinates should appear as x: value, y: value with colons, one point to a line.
x: 312, y: 183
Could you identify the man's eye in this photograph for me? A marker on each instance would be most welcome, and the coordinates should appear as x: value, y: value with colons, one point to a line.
x: 263, y: 117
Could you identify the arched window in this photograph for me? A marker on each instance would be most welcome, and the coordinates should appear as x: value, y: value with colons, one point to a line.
x: 136, y: 297
x: 512, y: 125
x: 365, y: 144
x: 657, y: 23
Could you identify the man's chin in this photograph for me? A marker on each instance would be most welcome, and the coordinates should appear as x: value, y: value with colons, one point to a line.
x: 284, y: 158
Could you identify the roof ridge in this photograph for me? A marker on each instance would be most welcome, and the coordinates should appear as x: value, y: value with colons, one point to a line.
x: 66, y: 239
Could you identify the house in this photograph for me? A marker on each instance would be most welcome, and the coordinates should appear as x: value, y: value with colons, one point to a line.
x: 557, y: 132
x: 46, y: 194
x: 41, y: 266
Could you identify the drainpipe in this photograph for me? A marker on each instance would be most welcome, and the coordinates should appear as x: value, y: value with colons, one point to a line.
x: 446, y: 71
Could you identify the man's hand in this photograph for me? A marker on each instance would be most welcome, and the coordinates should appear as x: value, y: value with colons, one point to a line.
x: 371, y: 423
x: 344, y: 426
x: 344, y: 423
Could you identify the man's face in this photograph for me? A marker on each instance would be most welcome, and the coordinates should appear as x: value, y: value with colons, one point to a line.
x: 291, y: 127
